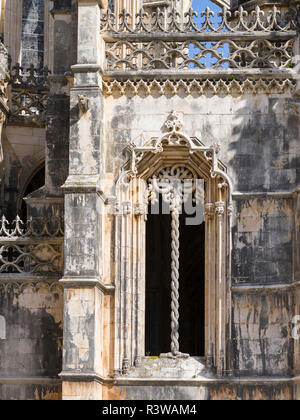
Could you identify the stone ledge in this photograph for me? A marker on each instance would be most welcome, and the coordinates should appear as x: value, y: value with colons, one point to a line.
x: 82, y: 183
x: 87, y: 282
x: 29, y: 380
x: 254, y: 288
x: 173, y: 368
x: 205, y: 381
x: 83, y: 377
x: 86, y: 68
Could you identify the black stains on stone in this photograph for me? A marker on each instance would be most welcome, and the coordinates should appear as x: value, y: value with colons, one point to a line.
x: 262, y: 254
x: 263, y: 325
x: 57, y: 140
x: 61, y: 5
x: 34, y: 339
x: 30, y: 391
x: 260, y: 333
x: 71, y: 356
x: 265, y: 158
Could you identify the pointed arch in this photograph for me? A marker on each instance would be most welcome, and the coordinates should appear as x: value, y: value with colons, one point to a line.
x: 173, y: 149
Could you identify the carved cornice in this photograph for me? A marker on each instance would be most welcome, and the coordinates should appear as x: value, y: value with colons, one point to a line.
x: 198, y: 87
x: 81, y: 282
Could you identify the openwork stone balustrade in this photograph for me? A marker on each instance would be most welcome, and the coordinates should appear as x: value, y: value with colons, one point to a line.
x: 35, y: 247
x: 167, y: 40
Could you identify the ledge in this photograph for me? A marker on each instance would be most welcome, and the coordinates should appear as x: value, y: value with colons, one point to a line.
x: 30, y: 380
x: 204, y: 381
x: 87, y: 282
x: 86, y: 68
x: 254, y: 288
x: 158, y: 3
x: 127, y: 380
x: 265, y: 194
x: 177, y: 74
x: 83, y: 377
x: 198, y: 36
x: 82, y: 183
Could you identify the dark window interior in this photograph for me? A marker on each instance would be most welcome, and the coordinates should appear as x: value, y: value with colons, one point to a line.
x: 37, y: 181
x: 158, y: 290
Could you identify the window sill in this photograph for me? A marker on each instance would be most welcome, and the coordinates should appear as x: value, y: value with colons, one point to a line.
x: 157, y: 368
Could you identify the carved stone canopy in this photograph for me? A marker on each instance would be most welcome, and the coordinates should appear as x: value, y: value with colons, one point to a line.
x: 172, y: 148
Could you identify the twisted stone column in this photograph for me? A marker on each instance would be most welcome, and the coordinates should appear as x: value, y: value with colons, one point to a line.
x: 175, y: 279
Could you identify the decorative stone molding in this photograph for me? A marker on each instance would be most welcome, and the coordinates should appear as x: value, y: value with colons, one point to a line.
x: 152, y: 167
x: 7, y: 286
x: 198, y: 87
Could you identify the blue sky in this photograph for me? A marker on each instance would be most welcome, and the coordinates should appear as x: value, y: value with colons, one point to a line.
x: 199, y: 6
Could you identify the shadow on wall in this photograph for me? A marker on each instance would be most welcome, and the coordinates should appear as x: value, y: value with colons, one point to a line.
x: 265, y: 159
x: 33, y: 341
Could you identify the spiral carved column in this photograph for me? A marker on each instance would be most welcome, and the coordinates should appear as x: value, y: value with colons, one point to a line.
x: 175, y: 279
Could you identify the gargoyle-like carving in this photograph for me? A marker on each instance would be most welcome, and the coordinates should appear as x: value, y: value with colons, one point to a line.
x: 83, y: 103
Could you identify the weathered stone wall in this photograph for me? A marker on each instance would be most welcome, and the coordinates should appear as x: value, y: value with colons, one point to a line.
x: 86, y: 134
x: 258, y: 137
x: 260, y: 153
x: 31, y: 352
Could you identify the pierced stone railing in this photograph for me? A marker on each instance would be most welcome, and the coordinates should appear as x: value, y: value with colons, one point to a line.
x: 165, y: 41
x: 173, y: 21
x: 29, y: 94
x: 31, y: 248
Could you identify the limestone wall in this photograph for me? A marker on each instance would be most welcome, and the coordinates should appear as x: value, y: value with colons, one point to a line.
x: 31, y: 352
x: 258, y: 138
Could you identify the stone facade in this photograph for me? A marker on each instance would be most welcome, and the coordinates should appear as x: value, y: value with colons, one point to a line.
x: 123, y: 99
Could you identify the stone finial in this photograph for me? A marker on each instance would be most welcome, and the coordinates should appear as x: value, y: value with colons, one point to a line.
x: 174, y: 122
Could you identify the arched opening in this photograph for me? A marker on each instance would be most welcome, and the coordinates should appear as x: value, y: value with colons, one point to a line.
x: 158, y: 285
x: 189, y: 311
x: 37, y: 181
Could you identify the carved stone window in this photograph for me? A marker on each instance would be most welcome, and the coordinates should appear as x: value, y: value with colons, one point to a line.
x: 157, y: 167
x: 33, y: 21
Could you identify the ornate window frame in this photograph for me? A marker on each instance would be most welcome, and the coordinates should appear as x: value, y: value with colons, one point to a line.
x: 173, y: 148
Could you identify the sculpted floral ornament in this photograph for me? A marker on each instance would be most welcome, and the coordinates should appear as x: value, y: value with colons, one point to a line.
x: 174, y: 122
